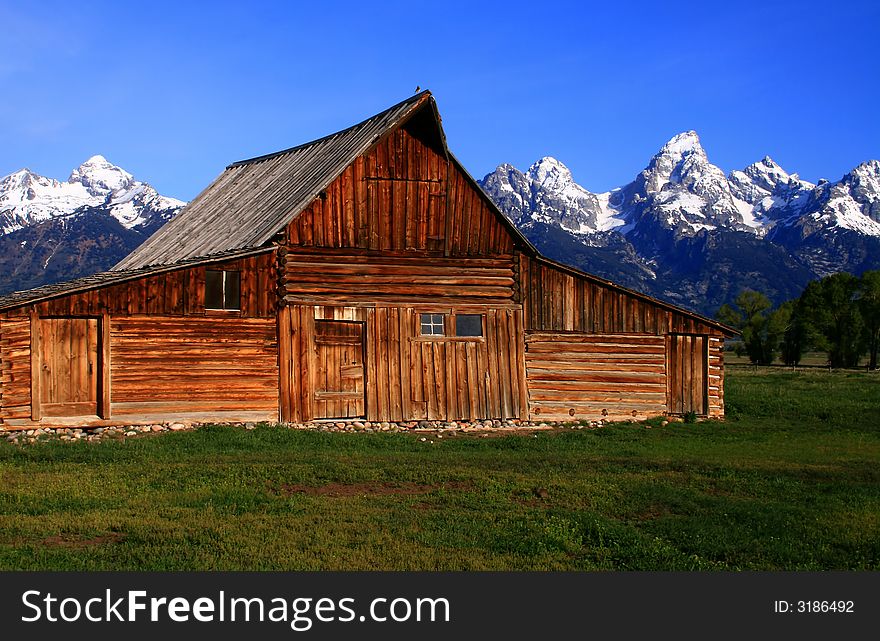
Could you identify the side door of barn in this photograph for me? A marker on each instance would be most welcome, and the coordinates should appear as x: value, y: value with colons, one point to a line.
x: 687, y: 374
x: 339, y: 371
x: 66, y: 366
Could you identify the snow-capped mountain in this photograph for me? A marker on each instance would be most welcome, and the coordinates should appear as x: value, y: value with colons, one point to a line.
x: 685, y: 231
x: 27, y: 198
x: 51, y: 229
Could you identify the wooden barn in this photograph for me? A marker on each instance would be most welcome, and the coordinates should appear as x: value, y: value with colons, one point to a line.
x: 364, y: 274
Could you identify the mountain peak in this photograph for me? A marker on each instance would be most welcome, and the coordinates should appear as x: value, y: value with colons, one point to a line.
x: 686, y: 142
x: 550, y: 172
x: 98, y: 175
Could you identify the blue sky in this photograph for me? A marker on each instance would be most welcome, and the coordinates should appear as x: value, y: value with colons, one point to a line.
x: 174, y: 91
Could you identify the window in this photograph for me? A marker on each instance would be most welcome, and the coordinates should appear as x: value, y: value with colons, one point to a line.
x: 432, y: 325
x: 468, y: 325
x: 222, y: 289
x: 461, y: 325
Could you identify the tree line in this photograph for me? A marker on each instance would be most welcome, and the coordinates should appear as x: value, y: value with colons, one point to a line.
x: 838, y: 315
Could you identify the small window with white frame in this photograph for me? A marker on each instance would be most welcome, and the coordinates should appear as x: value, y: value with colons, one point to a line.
x: 432, y: 325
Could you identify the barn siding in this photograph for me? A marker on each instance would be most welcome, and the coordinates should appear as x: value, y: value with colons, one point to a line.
x: 15, y: 369
x: 179, y: 292
x: 580, y: 376
x: 167, y: 365
x: 169, y: 357
x: 402, y: 197
x: 562, y: 303
x: 355, y: 278
x: 408, y: 376
x: 559, y: 300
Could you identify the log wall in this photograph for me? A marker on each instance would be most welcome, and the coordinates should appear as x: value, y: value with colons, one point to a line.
x: 15, y: 369
x: 716, y: 376
x: 581, y: 376
x: 349, y: 278
x: 171, y: 365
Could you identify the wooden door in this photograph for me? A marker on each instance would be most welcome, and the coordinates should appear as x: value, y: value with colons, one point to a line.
x: 687, y: 374
x: 339, y: 371
x: 69, y: 366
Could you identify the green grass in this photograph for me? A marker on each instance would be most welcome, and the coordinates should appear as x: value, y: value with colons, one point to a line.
x: 790, y: 481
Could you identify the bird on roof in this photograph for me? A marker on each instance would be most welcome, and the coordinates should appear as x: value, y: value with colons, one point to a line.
x: 418, y: 88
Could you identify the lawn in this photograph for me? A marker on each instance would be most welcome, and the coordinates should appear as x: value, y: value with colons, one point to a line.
x: 791, y: 480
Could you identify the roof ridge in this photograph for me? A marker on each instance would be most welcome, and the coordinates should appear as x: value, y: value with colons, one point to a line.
x: 412, y: 99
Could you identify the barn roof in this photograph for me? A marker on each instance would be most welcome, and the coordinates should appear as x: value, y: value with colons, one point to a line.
x: 253, y: 199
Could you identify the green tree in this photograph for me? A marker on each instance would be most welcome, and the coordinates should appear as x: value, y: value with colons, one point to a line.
x: 760, y: 327
x: 869, y: 305
x: 794, y: 337
x: 834, y: 320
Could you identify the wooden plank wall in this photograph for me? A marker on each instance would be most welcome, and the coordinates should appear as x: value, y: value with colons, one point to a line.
x: 556, y: 300
x: 410, y: 377
x: 580, y: 376
x: 346, y: 278
x: 687, y: 373
x: 15, y: 369
x: 402, y: 196
x: 163, y: 365
x: 716, y: 376
x: 176, y: 293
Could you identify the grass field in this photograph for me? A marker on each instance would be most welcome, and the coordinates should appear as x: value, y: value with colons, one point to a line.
x: 790, y: 481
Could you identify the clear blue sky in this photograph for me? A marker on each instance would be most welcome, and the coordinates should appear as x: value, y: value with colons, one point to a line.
x: 174, y: 91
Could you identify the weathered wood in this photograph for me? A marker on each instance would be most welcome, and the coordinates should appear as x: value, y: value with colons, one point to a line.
x: 580, y: 376
x: 36, y: 375
x: 105, y: 406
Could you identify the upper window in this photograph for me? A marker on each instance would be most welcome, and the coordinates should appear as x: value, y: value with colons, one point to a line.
x: 432, y: 325
x: 468, y: 325
x: 222, y: 289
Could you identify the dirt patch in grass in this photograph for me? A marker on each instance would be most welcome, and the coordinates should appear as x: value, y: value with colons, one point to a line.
x: 371, y: 488
x: 73, y: 542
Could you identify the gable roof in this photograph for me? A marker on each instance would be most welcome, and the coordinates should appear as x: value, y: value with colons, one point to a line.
x: 253, y: 199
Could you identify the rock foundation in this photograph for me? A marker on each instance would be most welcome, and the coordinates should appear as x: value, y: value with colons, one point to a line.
x: 73, y: 434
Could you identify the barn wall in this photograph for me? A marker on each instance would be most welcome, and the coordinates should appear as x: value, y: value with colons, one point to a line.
x: 176, y: 293
x: 716, y: 377
x: 348, y: 278
x: 402, y: 196
x: 580, y: 376
x: 172, y: 365
x: 15, y: 369
x: 557, y: 300
x: 559, y: 306
x: 408, y: 376
x: 169, y: 356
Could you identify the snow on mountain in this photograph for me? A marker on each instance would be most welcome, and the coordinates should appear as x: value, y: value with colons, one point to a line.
x: 27, y: 198
x: 680, y: 190
x: 685, y: 231
x: 547, y: 193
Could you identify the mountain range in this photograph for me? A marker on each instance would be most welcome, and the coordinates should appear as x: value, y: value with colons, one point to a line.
x: 686, y: 232
x: 682, y: 230
x: 52, y: 230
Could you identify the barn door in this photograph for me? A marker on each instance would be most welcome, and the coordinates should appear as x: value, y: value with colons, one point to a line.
x: 69, y: 367
x: 339, y: 384
x: 687, y: 374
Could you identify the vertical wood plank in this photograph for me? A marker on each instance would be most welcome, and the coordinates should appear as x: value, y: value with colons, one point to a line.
x: 104, y: 410
x: 36, y: 374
